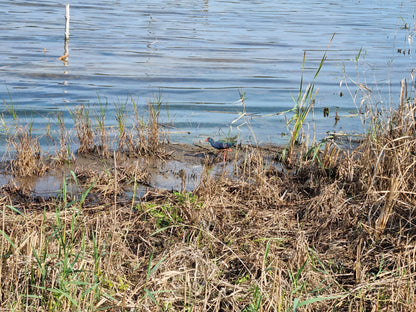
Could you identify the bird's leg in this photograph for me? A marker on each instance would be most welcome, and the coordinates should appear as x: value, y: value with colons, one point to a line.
x: 225, y: 151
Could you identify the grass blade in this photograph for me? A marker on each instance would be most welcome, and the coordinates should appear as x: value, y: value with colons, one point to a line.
x: 8, y: 239
x: 155, y: 267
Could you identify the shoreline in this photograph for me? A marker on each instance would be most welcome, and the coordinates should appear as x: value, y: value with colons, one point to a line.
x: 324, y: 228
x: 179, y: 169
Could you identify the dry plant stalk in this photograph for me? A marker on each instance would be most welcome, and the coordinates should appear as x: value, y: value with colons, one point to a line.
x: 137, y: 137
x: 103, y: 147
x: 63, y: 151
x: 144, y: 138
x: 153, y: 129
x: 84, y: 130
x: 331, y: 155
x: 27, y: 161
x: 387, y: 209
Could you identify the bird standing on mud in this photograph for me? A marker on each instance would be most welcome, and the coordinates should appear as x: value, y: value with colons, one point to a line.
x: 224, y: 145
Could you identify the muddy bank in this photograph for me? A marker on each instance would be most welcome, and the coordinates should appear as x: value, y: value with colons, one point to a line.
x: 178, y: 168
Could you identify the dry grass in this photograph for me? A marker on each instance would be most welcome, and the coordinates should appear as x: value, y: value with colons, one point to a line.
x: 83, y: 127
x: 63, y: 151
x: 146, y: 137
x: 335, y: 232
x: 27, y: 160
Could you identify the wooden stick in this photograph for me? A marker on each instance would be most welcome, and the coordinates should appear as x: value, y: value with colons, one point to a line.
x: 64, y: 57
x: 67, y: 21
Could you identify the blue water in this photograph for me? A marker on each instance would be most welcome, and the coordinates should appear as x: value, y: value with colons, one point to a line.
x: 198, y: 55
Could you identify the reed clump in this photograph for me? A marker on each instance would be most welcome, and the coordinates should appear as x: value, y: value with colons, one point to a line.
x: 139, y: 135
x: 83, y: 127
x: 390, y: 178
x: 146, y: 137
x: 63, y: 153
x: 27, y: 160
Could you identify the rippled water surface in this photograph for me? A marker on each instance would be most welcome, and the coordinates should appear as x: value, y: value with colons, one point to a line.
x: 198, y: 54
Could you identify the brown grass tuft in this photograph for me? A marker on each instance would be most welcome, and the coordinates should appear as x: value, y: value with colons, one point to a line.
x: 27, y: 160
x: 84, y: 129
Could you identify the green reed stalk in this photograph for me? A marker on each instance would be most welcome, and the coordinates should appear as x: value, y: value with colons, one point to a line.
x: 303, y: 104
x: 137, y: 144
x: 121, y: 121
x: 10, y: 109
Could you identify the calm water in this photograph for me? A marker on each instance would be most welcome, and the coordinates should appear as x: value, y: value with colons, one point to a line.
x: 198, y: 54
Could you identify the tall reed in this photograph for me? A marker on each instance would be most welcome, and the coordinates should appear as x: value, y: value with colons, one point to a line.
x: 153, y: 126
x: 303, y: 104
x: 84, y: 130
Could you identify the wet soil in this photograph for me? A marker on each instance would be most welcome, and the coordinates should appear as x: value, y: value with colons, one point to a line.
x: 178, y: 168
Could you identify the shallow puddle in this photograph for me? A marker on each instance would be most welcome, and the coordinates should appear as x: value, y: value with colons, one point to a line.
x: 181, y: 171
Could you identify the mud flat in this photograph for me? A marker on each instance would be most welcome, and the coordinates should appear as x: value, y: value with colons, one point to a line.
x: 178, y: 168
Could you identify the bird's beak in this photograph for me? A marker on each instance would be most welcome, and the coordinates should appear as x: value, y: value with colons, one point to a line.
x: 206, y: 140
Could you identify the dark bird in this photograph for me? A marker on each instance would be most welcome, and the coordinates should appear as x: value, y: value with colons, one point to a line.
x: 224, y: 145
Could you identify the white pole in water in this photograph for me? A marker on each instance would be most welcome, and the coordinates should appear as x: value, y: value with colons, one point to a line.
x: 67, y: 21
x: 64, y: 57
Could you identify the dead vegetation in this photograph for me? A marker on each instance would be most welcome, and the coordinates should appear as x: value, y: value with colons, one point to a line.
x: 27, y: 160
x: 334, y: 232
x: 144, y: 138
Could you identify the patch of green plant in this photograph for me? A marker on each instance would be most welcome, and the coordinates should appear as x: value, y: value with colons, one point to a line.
x: 188, y: 198
x: 102, y: 131
x: 243, y: 279
x: 256, y: 302
x: 313, y: 153
x: 59, y: 278
x: 165, y: 215
x: 121, y: 112
x: 151, y: 269
x: 300, y: 284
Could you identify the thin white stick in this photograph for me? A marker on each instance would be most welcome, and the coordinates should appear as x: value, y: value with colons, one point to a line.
x: 67, y: 21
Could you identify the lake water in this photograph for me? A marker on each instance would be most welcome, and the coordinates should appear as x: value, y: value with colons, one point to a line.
x: 198, y: 54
